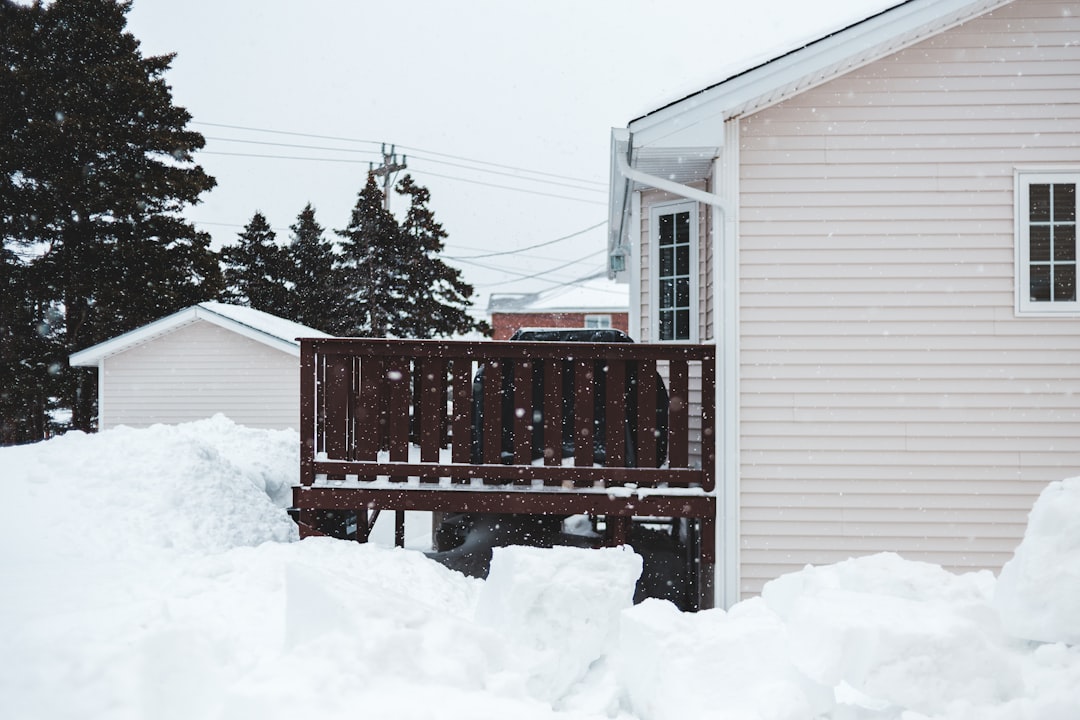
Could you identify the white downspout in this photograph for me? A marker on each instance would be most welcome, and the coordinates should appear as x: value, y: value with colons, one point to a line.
x: 726, y: 554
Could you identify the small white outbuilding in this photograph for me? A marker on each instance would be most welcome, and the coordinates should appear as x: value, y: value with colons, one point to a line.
x: 206, y: 359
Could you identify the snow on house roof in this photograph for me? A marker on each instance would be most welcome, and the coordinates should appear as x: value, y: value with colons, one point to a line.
x: 262, y: 327
x: 592, y: 294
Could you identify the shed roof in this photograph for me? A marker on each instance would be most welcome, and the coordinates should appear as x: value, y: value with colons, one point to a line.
x: 262, y: 327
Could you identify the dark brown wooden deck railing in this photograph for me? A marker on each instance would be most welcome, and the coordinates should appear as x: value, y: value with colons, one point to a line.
x: 363, y: 396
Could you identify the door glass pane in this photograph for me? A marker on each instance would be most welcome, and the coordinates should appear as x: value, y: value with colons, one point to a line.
x: 1040, y: 283
x: 682, y: 292
x: 682, y: 325
x: 682, y: 264
x: 1064, y: 242
x: 667, y: 320
x: 667, y: 293
x: 682, y: 227
x: 1039, y: 201
x: 667, y: 261
x: 1064, y: 202
x: 665, y: 230
x: 1064, y: 283
x: 1040, y: 243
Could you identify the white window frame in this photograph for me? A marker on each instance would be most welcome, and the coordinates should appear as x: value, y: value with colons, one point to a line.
x: 655, y: 213
x: 1024, y: 179
x: 599, y: 322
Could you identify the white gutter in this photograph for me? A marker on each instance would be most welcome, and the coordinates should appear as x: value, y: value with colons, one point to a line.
x: 726, y: 467
x: 673, y: 187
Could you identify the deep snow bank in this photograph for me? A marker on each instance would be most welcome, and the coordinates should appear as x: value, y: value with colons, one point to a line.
x: 153, y: 573
x: 197, y: 487
x: 1038, y: 594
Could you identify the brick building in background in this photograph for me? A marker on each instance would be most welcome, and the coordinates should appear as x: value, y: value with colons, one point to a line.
x: 592, y: 303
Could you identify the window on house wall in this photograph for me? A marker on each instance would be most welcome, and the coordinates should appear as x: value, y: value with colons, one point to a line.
x: 1046, y: 214
x: 673, y: 285
x: 594, y: 322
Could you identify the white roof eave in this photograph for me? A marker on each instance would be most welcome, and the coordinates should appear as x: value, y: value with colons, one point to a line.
x: 695, y: 124
x: 700, y: 117
x: 92, y: 356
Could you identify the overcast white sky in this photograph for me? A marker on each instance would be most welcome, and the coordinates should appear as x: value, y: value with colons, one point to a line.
x: 481, y: 96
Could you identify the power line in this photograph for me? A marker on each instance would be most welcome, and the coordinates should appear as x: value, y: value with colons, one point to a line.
x: 507, y: 174
x: 284, y: 132
x: 404, y: 147
x: 522, y: 170
x: 528, y: 247
x: 508, y: 187
x: 291, y: 145
x: 534, y: 275
x: 414, y: 157
x: 555, y: 283
x: 421, y: 172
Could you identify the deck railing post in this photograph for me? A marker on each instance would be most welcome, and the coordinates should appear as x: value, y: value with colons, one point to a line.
x: 308, y: 431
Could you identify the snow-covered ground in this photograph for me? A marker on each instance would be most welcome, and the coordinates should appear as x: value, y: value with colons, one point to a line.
x: 155, y: 574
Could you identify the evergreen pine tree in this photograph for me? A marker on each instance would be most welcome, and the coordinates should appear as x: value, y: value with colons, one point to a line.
x: 254, y: 269
x: 373, y: 294
x: 95, y: 168
x: 315, y: 296
x: 26, y: 383
x: 437, y: 295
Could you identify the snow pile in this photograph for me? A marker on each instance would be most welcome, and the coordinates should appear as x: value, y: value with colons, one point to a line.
x: 1038, y: 593
x: 674, y: 665
x: 558, y: 610
x: 899, y: 634
x: 199, y: 487
x: 155, y: 574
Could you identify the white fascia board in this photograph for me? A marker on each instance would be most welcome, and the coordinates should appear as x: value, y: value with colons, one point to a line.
x: 702, y: 115
x: 95, y: 353
x: 91, y: 356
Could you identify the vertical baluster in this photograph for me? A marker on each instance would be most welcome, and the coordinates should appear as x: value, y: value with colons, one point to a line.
x: 370, y: 412
x: 522, y: 409
x: 553, y: 412
x: 308, y: 412
x: 398, y: 382
x: 646, y: 414
x: 462, y: 397
x: 492, y: 408
x: 678, y: 414
x: 584, y: 400
x: 615, y: 423
x: 431, y: 380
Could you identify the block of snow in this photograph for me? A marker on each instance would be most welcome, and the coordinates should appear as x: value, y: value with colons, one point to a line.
x: 675, y: 665
x: 896, y: 633
x: 1038, y: 592
x: 558, y: 610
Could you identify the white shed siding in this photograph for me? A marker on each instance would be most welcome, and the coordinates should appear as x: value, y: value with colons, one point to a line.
x: 199, y: 370
x: 890, y: 398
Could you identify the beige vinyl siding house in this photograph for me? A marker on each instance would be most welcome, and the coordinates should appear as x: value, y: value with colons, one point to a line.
x: 897, y: 204
x: 207, y: 359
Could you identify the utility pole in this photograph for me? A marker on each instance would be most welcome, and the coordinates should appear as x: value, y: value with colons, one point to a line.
x: 389, y: 166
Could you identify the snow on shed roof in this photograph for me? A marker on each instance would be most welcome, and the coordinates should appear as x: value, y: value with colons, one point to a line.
x: 262, y: 327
